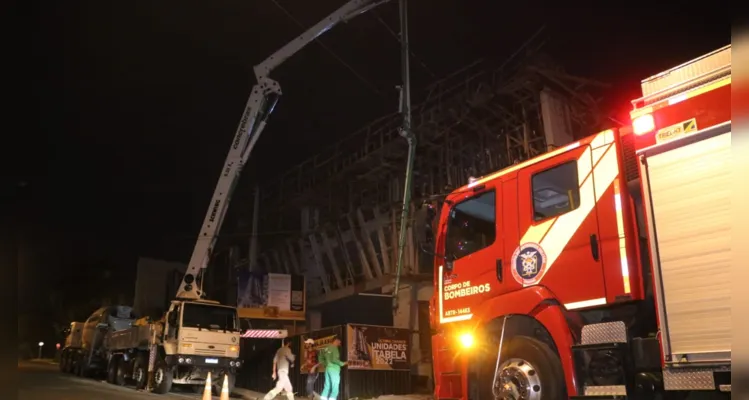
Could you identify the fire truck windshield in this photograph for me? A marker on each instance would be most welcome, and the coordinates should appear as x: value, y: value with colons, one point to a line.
x: 471, y: 225
x: 208, y: 316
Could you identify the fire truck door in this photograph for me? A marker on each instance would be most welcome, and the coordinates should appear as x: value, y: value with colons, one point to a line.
x: 474, y: 241
x: 559, y: 244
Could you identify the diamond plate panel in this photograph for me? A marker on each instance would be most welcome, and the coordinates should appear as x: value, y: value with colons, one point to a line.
x: 688, y: 379
x: 617, y: 390
x: 605, y: 332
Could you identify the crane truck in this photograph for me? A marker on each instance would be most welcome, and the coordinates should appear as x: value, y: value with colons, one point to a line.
x: 195, y: 336
x: 600, y: 269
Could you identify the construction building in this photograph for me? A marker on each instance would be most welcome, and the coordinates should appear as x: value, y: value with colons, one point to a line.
x: 342, y: 207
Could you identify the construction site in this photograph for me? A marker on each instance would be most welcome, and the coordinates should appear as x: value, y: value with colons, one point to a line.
x: 339, y: 211
x: 407, y: 257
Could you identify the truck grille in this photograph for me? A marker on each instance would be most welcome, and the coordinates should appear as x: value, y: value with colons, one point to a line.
x: 213, y: 352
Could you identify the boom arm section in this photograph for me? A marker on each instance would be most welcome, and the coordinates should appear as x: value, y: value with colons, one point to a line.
x: 260, y: 105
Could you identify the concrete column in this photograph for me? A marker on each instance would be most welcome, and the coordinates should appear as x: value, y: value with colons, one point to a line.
x: 407, y: 317
x: 314, y: 320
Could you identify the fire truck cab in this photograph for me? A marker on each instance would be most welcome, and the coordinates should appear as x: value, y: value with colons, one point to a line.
x: 599, y: 269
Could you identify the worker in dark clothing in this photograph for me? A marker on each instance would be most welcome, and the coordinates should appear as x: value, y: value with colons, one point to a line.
x: 331, y: 360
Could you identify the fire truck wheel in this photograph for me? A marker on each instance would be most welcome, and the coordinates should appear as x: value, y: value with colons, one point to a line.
x: 529, y: 370
x: 162, y: 378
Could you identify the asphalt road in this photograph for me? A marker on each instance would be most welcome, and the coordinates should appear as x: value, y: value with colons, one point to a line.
x: 43, y: 381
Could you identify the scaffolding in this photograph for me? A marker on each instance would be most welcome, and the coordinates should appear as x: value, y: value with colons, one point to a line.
x: 344, y: 202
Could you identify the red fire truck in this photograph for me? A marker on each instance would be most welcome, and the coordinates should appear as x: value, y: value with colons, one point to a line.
x: 599, y: 269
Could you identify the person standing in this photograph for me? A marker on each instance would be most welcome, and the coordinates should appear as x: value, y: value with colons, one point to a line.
x: 282, y: 363
x: 311, y: 365
x: 331, y: 360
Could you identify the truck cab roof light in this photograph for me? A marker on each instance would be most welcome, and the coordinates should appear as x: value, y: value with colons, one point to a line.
x: 643, y: 124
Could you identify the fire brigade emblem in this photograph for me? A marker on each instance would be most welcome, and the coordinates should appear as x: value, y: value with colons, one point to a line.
x: 528, y: 263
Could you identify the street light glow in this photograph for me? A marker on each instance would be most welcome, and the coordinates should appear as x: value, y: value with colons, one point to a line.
x: 41, y: 344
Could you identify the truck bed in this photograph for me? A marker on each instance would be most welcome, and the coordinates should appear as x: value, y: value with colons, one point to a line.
x: 136, y: 337
x: 75, y: 337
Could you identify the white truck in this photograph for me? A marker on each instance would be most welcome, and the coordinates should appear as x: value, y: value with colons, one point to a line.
x: 193, y: 338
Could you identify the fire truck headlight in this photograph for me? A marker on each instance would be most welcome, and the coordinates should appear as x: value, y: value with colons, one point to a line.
x: 466, y: 340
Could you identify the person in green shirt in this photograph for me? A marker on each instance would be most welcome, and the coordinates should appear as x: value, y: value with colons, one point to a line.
x: 330, y: 357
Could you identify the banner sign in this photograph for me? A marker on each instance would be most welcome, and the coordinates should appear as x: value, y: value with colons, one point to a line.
x: 309, y: 352
x: 270, y: 296
x: 252, y: 291
x: 378, y: 347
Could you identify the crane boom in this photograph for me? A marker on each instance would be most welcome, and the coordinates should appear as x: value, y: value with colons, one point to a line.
x: 260, y: 105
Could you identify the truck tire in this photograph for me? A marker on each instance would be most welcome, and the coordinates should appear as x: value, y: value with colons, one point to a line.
x: 162, y: 378
x: 120, y: 377
x: 62, y: 362
x: 112, y: 369
x: 69, y: 362
x: 140, y: 372
x: 78, y: 364
x: 219, y: 383
x: 528, y: 370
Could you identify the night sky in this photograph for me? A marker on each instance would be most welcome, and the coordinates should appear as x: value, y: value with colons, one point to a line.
x: 136, y: 104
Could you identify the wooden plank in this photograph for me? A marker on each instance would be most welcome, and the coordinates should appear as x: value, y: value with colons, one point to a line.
x: 328, y: 249
x: 381, y: 239
x: 292, y: 257
x: 317, y: 255
x: 348, y: 291
x: 281, y: 265
x: 360, y: 250
x: 368, y: 244
x: 267, y: 263
x: 344, y: 252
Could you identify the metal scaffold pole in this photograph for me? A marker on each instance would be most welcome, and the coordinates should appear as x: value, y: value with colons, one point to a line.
x: 405, y: 131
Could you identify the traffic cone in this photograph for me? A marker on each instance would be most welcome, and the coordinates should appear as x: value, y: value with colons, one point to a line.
x: 207, y: 394
x: 225, y: 389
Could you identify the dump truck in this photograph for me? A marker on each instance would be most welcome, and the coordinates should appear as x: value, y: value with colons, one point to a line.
x: 600, y: 269
x: 193, y: 339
